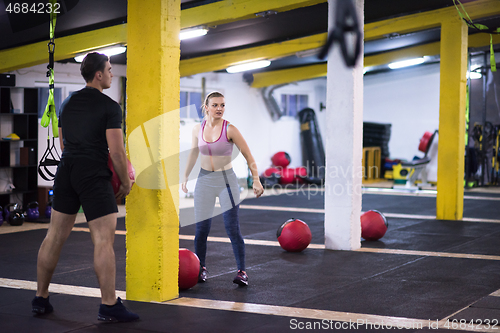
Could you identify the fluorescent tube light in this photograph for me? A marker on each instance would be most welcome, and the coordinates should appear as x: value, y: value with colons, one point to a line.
x: 248, y: 66
x: 406, y: 63
x: 475, y: 75
x: 192, y: 33
x: 110, y: 51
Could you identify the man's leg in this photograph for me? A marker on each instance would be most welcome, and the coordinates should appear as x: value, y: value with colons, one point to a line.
x: 59, y: 229
x: 102, y: 231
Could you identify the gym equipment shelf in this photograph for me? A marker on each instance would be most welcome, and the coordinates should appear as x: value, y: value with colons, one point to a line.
x: 18, y: 158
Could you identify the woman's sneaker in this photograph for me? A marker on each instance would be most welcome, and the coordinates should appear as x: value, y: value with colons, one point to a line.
x: 203, y: 276
x: 115, y: 313
x: 241, y: 278
x: 41, y: 305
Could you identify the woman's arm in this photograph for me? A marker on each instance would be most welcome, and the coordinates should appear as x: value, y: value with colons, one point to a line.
x: 193, y: 156
x: 235, y: 136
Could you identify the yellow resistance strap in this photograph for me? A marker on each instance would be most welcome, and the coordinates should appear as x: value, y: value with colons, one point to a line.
x: 480, y: 28
x: 50, y: 109
x: 49, y: 159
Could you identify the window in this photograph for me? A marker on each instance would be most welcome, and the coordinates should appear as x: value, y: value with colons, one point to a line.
x: 292, y: 104
x: 190, y: 105
x: 43, y: 97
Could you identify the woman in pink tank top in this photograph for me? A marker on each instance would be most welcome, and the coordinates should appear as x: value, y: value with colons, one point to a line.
x: 214, y: 139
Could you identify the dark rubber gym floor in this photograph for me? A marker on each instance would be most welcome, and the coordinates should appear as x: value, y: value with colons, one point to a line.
x: 421, y: 271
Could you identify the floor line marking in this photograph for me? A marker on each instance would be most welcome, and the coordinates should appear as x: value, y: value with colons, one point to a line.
x: 322, y: 247
x: 495, y: 293
x: 351, y: 319
x: 430, y: 253
x: 391, y: 215
x: 293, y: 312
x: 36, y: 226
x: 56, y: 288
x: 283, y: 209
x: 348, y: 319
x: 419, y: 193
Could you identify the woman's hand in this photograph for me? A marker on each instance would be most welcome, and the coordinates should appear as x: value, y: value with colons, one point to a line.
x: 184, y: 186
x: 258, y: 189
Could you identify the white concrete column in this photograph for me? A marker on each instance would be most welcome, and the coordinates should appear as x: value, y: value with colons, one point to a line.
x: 344, y: 145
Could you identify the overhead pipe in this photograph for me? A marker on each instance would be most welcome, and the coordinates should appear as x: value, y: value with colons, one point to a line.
x: 271, y: 104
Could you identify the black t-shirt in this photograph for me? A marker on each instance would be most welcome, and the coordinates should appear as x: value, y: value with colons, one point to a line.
x: 85, y: 116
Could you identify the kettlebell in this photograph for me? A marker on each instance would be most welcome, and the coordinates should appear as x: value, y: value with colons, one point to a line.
x: 1, y: 215
x: 16, y: 215
x: 32, y: 213
x: 48, y: 210
x: 6, y: 213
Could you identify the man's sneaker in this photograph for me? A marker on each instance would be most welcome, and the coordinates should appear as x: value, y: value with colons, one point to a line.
x: 41, y: 305
x: 241, y: 278
x: 115, y: 313
x: 203, y: 276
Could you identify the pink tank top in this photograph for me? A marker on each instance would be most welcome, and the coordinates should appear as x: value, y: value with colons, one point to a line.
x: 220, y: 147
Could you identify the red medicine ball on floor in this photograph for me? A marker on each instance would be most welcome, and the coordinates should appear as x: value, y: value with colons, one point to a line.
x: 270, y: 171
x: 287, y: 176
x: 115, y: 181
x: 373, y: 225
x: 281, y: 159
x: 294, y: 235
x: 189, y: 269
x: 300, y: 174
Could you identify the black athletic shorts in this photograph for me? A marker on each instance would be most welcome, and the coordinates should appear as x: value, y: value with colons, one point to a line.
x: 84, y: 182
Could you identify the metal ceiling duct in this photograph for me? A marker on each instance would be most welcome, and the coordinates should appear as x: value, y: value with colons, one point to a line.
x: 271, y: 104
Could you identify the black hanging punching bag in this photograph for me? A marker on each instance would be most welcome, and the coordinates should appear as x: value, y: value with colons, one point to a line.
x: 313, y: 153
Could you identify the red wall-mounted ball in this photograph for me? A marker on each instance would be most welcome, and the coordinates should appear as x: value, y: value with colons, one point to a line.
x: 115, y: 181
x: 189, y: 269
x: 373, y: 225
x: 294, y: 235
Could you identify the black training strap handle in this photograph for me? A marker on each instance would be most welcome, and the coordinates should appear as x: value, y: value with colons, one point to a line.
x: 346, y: 21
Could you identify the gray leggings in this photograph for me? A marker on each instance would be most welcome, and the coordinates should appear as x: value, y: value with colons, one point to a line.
x: 212, y: 184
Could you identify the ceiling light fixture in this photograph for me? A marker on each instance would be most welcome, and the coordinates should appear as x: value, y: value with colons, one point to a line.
x: 475, y: 72
x: 193, y: 32
x: 406, y: 63
x: 475, y: 75
x: 248, y: 66
x: 109, y: 51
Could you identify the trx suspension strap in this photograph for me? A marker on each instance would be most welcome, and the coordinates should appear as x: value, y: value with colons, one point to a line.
x: 48, y: 158
x: 480, y: 28
x: 346, y: 22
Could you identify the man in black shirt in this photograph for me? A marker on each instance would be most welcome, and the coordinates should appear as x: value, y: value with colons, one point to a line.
x: 89, y: 124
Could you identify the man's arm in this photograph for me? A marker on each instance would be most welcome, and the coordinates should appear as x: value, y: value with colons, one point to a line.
x: 61, y: 143
x: 114, y: 136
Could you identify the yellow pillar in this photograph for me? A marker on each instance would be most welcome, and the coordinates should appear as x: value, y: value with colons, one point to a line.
x: 152, y: 220
x: 450, y: 181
